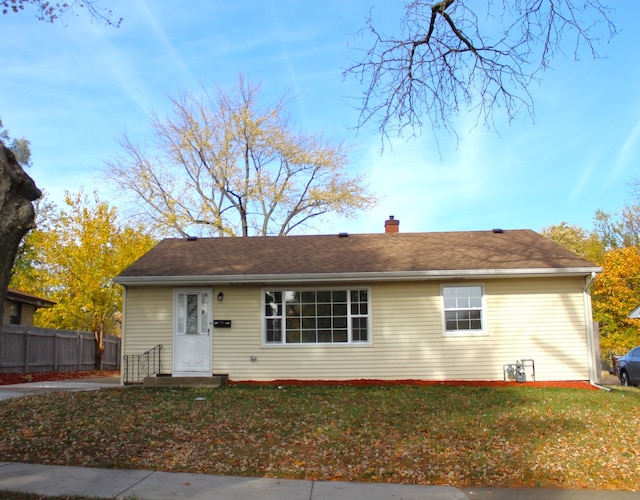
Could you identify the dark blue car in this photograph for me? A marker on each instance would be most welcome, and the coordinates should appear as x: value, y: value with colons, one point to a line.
x: 628, y: 367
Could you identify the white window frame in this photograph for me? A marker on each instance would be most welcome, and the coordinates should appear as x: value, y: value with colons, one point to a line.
x: 350, y: 317
x: 482, y: 309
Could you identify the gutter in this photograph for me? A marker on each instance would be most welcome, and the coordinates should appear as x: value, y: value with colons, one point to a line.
x: 300, y: 278
x: 590, y: 280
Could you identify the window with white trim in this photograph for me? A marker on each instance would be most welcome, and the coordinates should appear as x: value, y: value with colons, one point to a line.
x: 295, y: 317
x: 463, y: 309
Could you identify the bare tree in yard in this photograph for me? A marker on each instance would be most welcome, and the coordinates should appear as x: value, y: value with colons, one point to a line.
x: 225, y: 166
x: 17, y: 191
x: 456, y: 55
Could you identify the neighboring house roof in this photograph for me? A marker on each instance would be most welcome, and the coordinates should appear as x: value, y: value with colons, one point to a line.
x: 27, y: 298
x: 399, y: 256
x: 635, y: 314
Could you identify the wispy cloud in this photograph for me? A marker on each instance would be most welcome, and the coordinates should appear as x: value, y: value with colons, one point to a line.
x: 420, y: 188
x: 284, y: 51
x: 628, y: 153
x: 136, y: 81
x: 584, y: 181
x: 174, y: 59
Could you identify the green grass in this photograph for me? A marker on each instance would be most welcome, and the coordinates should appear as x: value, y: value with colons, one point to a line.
x: 462, y: 436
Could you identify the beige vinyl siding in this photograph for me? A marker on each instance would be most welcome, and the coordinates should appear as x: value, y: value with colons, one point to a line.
x: 540, y: 319
x: 148, y: 322
x: 233, y: 347
x: 543, y: 320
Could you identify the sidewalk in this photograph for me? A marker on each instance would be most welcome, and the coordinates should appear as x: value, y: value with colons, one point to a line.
x: 141, y: 484
x: 82, y: 384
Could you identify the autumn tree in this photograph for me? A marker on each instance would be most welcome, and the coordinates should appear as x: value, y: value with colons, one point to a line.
x: 613, y: 244
x: 17, y: 189
x: 53, y: 11
x: 74, y: 256
x: 455, y: 55
x: 578, y: 240
x: 224, y: 165
x: 621, y: 229
x: 616, y: 292
x: 617, y: 288
x: 27, y: 270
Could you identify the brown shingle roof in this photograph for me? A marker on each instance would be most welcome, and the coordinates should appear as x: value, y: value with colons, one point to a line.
x: 358, y: 255
x: 27, y: 298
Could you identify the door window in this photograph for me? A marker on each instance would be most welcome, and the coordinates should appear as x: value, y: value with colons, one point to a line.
x: 192, y: 313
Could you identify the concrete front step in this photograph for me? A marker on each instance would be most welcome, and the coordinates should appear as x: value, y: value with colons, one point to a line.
x: 163, y: 381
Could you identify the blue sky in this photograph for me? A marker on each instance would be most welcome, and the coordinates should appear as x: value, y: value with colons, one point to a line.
x: 73, y: 88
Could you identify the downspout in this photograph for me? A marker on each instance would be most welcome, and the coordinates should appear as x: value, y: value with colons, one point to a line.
x: 122, y: 334
x: 589, y: 327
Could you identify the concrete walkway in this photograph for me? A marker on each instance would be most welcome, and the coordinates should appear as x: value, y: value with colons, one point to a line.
x: 84, y: 384
x: 141, y: 484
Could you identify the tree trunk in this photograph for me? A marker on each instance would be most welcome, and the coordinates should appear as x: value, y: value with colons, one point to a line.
x: 98, y: 335
x: 17, y: 216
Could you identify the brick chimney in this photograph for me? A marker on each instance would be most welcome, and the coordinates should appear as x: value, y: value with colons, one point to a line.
x: 391, y: 225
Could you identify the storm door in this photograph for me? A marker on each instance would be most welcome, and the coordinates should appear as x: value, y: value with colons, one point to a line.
x: 192, y: 333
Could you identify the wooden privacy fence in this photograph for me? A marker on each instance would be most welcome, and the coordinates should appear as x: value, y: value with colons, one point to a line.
x: 25, y: 349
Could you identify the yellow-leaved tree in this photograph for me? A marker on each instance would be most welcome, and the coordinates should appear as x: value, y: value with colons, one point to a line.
x: 223, y: 164
x: 71, y: 260
x: 616, y: 292
x: 575, y: 238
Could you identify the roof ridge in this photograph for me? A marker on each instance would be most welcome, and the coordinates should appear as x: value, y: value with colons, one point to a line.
x: 328, y: 235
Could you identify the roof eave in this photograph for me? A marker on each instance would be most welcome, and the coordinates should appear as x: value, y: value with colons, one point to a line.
x: 26, y: 298
x: 247, y: 279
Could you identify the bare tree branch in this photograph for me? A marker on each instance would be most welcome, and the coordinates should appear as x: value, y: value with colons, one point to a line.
x: 457, y: 55
x: 54, y: 11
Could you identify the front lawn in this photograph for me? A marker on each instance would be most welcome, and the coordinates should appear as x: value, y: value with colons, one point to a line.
x: 457, y: 435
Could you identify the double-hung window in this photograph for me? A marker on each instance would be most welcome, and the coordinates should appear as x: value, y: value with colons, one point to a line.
x: 463, y: 309
x: 295, y: 317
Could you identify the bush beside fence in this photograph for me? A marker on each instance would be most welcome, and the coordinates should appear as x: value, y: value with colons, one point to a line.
x: 28, y: 349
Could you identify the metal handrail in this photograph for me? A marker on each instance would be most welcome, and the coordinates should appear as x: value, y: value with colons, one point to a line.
x: 139, y: 366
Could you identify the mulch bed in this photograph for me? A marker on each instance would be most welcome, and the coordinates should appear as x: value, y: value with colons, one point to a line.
x: 23, y: 378
x: 569, y: 384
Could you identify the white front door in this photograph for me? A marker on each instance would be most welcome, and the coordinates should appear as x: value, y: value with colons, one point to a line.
x: 192, y: 333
